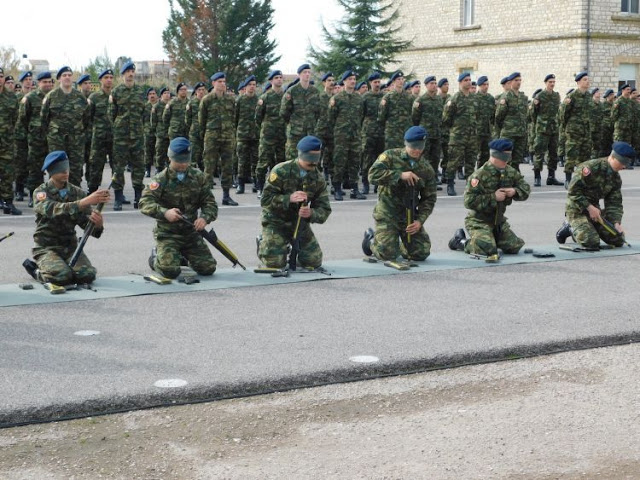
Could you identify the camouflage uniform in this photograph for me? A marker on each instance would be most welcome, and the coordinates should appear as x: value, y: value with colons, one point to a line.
x: 345, y: 120
x: 545, y: 114
x: 394, y: 198
x: 55, y: 237
x: 595, y: 121
x: 272, y: 133
x: 444, y: 132
x: 279, y: 215
x: 372, y: 132
x: 325, y: 133
x: 216, y: 118
x: 394, y: 113
x: 577, y: 129
x: 87, y: 142
x: 427, y: 112
x: 485, y: 114
x: 176, y: 240
x: 300, y: 109
x: 8, y: 117
x: 21, y: 153
x: 487, y: 226
x: 160, y: 133
x: 606, y: 137
x: 149, y: 137
x: 622, y: 115
x: 247, y: 137
x: 459, y: 115
x: 173, y: 118
x: 29, y: 118
x: 511, y: 118
x: 191, y: 122
x: 101, y: 137
x: 594, y: 180
x: 65, y: 117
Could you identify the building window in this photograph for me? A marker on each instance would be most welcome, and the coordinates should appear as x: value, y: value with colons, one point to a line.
x: 627, y: 73
x: 468, y: 12
x: 628, y: 6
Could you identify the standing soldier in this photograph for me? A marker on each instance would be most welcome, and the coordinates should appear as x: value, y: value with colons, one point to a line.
x: 427, y: 112
x: 511, y: 118
x: 8, y: 118
x: 21, y: 151
x: 545, y: 113
x: 29, y: 119
x: 323, y: 129
x: 362, y: 88
x: 191, y: 121
x: 576, y: 125
x: 247, y: 134
x: 101, y: 129
x: 562, y: 137
x: 127, y: 107
x: 26, y: 79
x: 159, y: 129
x: 217, y: 126
x: 372, y: 130
x: 345, y: 118
x: 596, y: 121
x: 636, y: 125
x: 65, y: 118
x: 622, y: 115
x: 173, y: 116
x: 606, y: 139
x: 300, y: 109
x: 459, y: 115
x: 84, y: 85
x: 486, y: 105
x: 443, y: 86
x: 272, y: 128
x: 149, y: 136
x: 395, y: 113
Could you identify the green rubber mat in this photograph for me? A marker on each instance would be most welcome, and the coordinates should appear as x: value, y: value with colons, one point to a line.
x: 133, y: 285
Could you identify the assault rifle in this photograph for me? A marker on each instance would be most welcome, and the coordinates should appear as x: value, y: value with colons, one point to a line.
x: 213, y: 239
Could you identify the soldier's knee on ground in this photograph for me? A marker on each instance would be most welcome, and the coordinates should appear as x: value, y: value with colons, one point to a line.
x: 204, y: 268
x: 168, y: 271
x: 60, y: 276
x: 85, y: 275
x: 586, y: 237
x: 274, y: 261
x: 481, y: 245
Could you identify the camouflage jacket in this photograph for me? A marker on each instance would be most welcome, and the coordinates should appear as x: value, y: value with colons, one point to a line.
x: 371, y: 126
x: 8, y: 118
x: 216, y: 116
x: 323, y: 127
x: 459, y: 116
x: 284, y: 179
x: 479, y: 194
x: 64, y: 114
x: 394, y: 112
x: 191, y: 119
x: 165, y: 192
x: 427, y: 112
x: 545, y: 112
x: 594, y: 180
x: 576, y: 114
x: 245, y: 117
x: 622, y: 116
x: 157, y: 125
x: 146, y: 119
x: 345, y: 115
x: 394, y: 194
x: 607, y: 123
x: 595, y: 122
x: 485, y: 113
x: 271, y: 124
x: 57, y: 217
x: 173, y: 118
x: 29, y: 114
x: 300, y: 109
x: 19, y: 132
x: 126, y: 106
x: 511, y: 115
x: 99, y: 115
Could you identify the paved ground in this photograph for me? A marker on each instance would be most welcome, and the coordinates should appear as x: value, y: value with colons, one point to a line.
x: 255, y: 340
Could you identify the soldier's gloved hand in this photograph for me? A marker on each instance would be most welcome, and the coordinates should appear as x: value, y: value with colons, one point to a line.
x: 173, y: 215
x: 413, y: 228
x: 409, y: 177
x: 594, y: 213
x: 500, y: 195
x: 199, y: 224
x: 297, y: 197
x: 304, y: 212
x: 96, y: 219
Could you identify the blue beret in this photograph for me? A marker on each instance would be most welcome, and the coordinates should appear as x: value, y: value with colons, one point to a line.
x: 347, y: 74
x: 360, y: 85
x: 83, y: 78
x: 429, y: 79
x: 580, y: 76
x: 43, y: 75
x: 513, y: 76
x: 607, y: 93
x: 549, y: 77
x: 482, y: 80
x: 304, y: 66
x: 197, y: 86
x: 463, y: 75
x: 217, y: 76
x: 149, y: 90
x: 633, y: 90
x: 180, y: 85
x: 536, y: 92
x: 127, y: 66
x: 26, y: 74
x: 162, y: 90
x: 242, y: 85
x: 623, y: 152
x: 266, y: 88
x: 309, y: 144
x: 274, y: 73
x: 63, y: 70
x: 54, y: 157
x: 397, y: 74
x: 341, y: 83
x: 295, y: 82
x: 108, y: 71
x: 504, y: 80
x: 249, y: 79
x: 405, y: 86
x: 179, y: 150
x: 415, y: 134
x: 501, y: 145
x: 374, y: 76
x: 594, y: 90
x: 626, y: 85
x: 442, y: 81
x: 414, y: 83
x: 325, y: 76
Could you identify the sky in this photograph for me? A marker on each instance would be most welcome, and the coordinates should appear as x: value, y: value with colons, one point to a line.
x: 78, y: 32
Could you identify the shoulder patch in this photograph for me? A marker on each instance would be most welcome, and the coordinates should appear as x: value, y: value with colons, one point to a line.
x: 288, y: 96
x: 475, y: 182
x: 586, y: 171
x: 383, y: 157
x: 273, y: 176
x: 260, y: 101
x: 154, y: 186
x: 40, y: 196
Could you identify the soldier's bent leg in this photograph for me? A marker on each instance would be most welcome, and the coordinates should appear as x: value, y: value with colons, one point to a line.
x: 53, y: 268
x: 508, y: 241
x: 386, y: 241
x: 83, y: 271
x: 168, y: 258
x: 540, y: 147
x: 274, y: 246
x: 481, y: 240
x: 310, y: 255
x: 584, y: 231
x: 419, y: 248
x: 199, y: 256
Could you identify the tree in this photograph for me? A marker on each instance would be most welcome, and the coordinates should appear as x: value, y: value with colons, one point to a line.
x: 364, y: 40
x: 9, y: 60
x: 98, y: 65
x: 120, y: 62
x: 206, y: 36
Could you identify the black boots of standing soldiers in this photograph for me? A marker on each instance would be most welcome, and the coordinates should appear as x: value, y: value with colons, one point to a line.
x: 136, y: 198
x: 226, y: 198
x: 564, y: 232
x: 552, y: 180
x: 118, y: 200
x: 9, y: 208
x: 451, y: 191
x: 337, y: 191
x: 366, y: 242
x: 537, y: 178
x: 567, y: 176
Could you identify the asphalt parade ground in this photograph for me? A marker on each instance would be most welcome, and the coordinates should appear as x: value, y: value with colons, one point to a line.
x: 81, y: 358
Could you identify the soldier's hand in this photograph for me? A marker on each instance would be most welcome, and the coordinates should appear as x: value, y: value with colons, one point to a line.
x: 509, y: 192
x: 567, y: 101
x: 173, y: 215
x: 409, y: 177
x: 297, y: 197
x: 500, y: 195
x: 414, y: 227
x: 96, y: 219
x: 619, y: 228
x: 199, y: 224
x: 99, y: 196
x: 594, y: 213
x: 304, y: 212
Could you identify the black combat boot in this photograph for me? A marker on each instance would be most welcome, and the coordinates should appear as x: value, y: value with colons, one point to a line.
x: 365, y: 186
x: 561, y: 161
x: 118, y: 200
x: 30, y: 204
x: 259, y: 187
x: 137, y: 192
x: 152, y: 257
x: 19, y: 194
x: 366, y: 241
x: 451, y: 191
x: 9, y: 208
x: 240, y: 188
x: 552, y: 180
x: 567, y: 176
x: 355, y: 193
x: 254, y: 188
x: 337, y: 192
x: 564, y: 232
x: 458, y: 240
x: 537, y: 179
x: 460, y: 173
x: 227, y: 200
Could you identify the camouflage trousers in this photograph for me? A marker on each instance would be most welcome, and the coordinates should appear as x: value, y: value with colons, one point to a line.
x: 444, y: 147
x: 161, y: 159
x: 462, y: 154
x: 269, y: 155
x: 73, y: 145
x: 390, y: 240
x: 101, y: 148
x: 150, y: 150
x: 7, y: 169
x: 394, y: 137
x: 483, y: 150
x: 372, y: 147
x: 432, y: 152
x: 485, y: 239
x: 128, y: 152
x: 577, y: 150
x: 518, y: 152
x: 545, y: 145
x: 275, y: 245
x: 196, y: 152
x: 606, y: 140
x: 21, y: 154
x: 247, y: 151
x: 35, y: 158
x: 328, y: 148
x: 54, y: 265
x: 588, y: 234
x: 346, y: 160
x: 172, y: 248
x: 87, y: 155
x: 218, y: 153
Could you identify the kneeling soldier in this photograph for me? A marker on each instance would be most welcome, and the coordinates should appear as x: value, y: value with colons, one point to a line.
x: 176, y: 192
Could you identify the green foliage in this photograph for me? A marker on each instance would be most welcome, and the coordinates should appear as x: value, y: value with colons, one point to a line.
x: 206, y: 36
x: 9, y: 61
x: 98, y: 64
x: 364, y: 40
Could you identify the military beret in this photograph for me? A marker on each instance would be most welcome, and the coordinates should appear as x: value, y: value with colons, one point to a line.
x: 551, y: 76
x: 249, y: 79
x: 570, y: 91
x: 463, y: 75
x: 360, y: 85
x: 266, y: 88
x: 9, y: 78
x: 309, y: 144
x: 633, y: 90
x: 242, y: 85
x: 513, y: 76
x: 83, y: 78
x: 108, y: 71
x: 197, y: 86
x: 504, y: 80
x: 149, y: 90
x: 54, y: 158
x: 179, y: 150
x: 295, y: 82
x: 64, y: 69
x: 429, y: 79
x: 501, y: 145
x: 387, y: 84
x: 414, y: 83
x: 27, y: 74
x: 217, y: 76
x: 625, y: 85
x: 607, y: 93
x: 442, y: 81
x: 326, y: 76
x: 304, y: 66
x: 210, y: 89
x: 180, y: 85
x: 536, y: 92
x: 623, y: 152
x: 347, y: 74
x: 397, y: 74
x: 274, y: 73
x: 405, y: 86
x: 374, y: 76
x: 580, y: 76
x: 127, y: 66
x: 43, y: 76
x: 163, y: 89
x: 341, y: 83
x: 594, y: 90
x: 415, y: 134
x: 482, y: 80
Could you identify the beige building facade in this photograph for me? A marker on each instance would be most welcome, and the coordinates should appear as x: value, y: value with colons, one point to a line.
x: 497, y: 37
